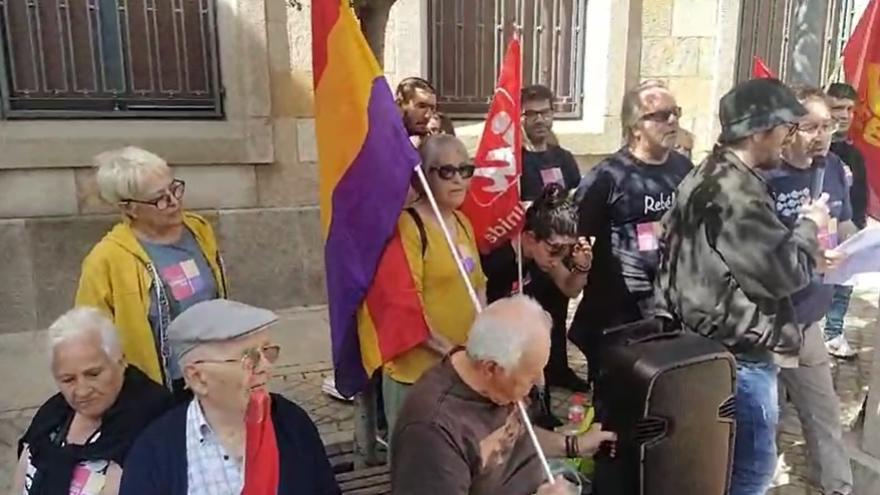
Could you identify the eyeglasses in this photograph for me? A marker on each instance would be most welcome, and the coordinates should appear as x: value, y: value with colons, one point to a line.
x: 544, y: 114
x: 558, y: 249
x: 813, y: 128
x: 250, y: 358
x: 163, y: 202
x: 662, y: 115
x: 447, y: 172
x: 792, y: 129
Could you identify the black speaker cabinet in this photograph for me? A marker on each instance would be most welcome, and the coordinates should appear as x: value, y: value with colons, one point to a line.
x: 670, y: 398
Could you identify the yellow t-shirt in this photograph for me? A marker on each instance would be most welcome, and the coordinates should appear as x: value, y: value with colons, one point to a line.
x: 447, y: 305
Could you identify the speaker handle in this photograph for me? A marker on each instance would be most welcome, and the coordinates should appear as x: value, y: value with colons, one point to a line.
x: 654, y: 337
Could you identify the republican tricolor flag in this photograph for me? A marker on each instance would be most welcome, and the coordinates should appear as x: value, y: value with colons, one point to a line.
x: 366, y: 162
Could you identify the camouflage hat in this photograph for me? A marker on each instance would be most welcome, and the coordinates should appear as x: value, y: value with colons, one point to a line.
x: 755, y: 106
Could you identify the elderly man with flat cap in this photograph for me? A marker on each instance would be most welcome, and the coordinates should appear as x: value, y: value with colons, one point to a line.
x: 729, y: 266
x: 233, y: 435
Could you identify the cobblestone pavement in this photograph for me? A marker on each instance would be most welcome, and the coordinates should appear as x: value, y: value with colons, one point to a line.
x: 302, y: 383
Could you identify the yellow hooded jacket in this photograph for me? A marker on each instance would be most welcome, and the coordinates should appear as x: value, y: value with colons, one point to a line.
x: 119, y: 279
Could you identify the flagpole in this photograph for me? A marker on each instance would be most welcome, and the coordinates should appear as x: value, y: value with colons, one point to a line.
x: 476, y: 301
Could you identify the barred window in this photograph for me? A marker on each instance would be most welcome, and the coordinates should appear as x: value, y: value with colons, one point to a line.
x: 801, y: 41
x: 109, y: 58
x: 467, y: 40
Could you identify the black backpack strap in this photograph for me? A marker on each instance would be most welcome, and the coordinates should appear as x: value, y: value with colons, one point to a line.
x: 420, y: 224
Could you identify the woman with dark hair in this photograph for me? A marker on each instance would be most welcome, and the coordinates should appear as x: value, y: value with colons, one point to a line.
x: 555, y: 267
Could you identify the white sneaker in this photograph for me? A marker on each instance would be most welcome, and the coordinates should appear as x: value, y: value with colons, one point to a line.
x: 839, y: 347
x: 329, y: 388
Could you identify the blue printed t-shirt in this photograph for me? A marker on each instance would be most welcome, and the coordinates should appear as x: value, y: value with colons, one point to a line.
x: 792, y: 187
x: 187, y: 278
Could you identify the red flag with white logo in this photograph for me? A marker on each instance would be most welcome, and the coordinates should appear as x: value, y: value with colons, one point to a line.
x: 493, y: 204
x: 861, y: 64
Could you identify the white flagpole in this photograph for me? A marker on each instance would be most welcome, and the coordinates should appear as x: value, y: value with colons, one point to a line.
x: 519, y: 261
x: 474, y: 299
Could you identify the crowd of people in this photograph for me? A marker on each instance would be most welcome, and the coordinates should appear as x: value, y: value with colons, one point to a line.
x: 157, y: 370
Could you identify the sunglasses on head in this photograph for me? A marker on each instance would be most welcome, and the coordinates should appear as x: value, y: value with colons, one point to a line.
x: 662, y: 115
x: 447, y: 172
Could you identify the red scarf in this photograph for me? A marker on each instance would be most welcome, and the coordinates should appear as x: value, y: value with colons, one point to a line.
x: 261, y: 449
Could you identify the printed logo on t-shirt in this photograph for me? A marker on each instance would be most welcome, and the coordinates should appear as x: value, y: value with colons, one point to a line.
x: 184, y: 279
x: 647, y: 234
x: 659, y: 204
x: 789, y: 204
x: 552, y: 176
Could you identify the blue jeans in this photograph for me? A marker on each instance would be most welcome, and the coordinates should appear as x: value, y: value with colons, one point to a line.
x: 837, y: 311
x: 757, y: 414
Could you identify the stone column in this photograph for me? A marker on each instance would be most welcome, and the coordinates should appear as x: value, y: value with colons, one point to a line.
x: 865, y: 442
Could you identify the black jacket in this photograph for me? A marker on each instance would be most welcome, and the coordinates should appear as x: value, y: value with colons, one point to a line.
x: 728, y: 265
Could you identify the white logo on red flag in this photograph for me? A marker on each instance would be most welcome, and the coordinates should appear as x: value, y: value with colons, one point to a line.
x: 492, y: 203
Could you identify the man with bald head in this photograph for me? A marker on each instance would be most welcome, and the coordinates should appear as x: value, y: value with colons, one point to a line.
x: 622, y: 201
x: 460, y: 432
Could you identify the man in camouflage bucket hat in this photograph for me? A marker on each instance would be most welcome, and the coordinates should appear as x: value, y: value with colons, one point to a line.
x: 728, y: 265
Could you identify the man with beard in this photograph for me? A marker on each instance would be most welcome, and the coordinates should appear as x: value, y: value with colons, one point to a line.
x: 842, y: 98
x: 621, y: 201
x: 809, y: 170
x: 729, y: 266
x: 417, y: 100
x: 544, y: 161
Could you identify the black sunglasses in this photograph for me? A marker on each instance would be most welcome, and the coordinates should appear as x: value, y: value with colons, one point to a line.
x: 447, y: 172
x: 662, y: 115
x: 175, y: 189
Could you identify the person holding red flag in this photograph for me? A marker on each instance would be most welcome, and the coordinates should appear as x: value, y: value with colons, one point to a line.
x: 233, y: 437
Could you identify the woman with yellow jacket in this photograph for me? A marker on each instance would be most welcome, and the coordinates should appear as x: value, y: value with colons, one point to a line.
x: 151, y: 266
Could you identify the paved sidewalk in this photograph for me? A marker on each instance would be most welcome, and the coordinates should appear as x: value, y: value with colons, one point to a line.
x: 306, y: 362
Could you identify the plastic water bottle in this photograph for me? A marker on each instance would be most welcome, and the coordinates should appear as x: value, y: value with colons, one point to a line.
x: 577, y: 412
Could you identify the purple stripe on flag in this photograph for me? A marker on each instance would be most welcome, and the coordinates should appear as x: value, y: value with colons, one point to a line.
x: 367, y: 203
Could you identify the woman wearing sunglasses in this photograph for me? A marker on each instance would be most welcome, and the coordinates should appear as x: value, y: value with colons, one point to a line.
x: 448, y: 308
x: 155, y: 263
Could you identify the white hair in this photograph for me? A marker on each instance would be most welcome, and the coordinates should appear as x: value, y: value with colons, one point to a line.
x: 503, y: 330
x: 81, y: 321
x: 121, y: 171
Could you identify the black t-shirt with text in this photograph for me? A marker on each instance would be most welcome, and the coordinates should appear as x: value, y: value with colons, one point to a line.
x: 621, y: 202
x: 540, y: 168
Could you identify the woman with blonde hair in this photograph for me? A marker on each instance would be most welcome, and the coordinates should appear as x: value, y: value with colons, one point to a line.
x: 155, y: 263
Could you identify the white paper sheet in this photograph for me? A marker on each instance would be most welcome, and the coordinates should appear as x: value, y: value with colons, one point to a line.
x: 862, y: 256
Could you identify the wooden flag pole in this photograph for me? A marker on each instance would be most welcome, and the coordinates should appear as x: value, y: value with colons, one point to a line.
x: 476, y: 301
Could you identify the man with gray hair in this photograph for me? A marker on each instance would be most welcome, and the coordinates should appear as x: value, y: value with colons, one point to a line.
x: 203, y: 447
x: 459, y: 431
x: 622, y: 201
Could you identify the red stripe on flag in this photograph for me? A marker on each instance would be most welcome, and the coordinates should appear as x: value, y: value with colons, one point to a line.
x: 325, y: 13
x: 394, y: 304
x: 261, y: 465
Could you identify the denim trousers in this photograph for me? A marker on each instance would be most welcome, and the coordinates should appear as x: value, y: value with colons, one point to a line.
x: 837, y: 312
x: 757, y: 415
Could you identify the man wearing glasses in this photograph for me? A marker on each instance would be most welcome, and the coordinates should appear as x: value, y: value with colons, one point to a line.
x: 621, y: 202
x: 544, y: 161
x: 153, y: 265
x: 808, y: 171
x: 206, y: 445
x: 729, y: 266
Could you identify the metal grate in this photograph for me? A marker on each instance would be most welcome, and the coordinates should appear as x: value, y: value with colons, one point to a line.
x: 467, y: 40
x: 109, y: 58
x: 800, y: 40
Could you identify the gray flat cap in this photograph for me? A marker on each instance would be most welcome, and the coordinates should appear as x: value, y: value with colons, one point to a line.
x: 216, y: 320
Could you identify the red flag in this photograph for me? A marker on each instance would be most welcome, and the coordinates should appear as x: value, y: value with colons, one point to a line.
x: 760, y: 69
x: 861, y: 64
x: 261, y: 464
x: 492, y: 204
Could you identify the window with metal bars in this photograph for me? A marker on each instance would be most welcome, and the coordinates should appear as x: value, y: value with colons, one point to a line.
x: 467, y: 40
x: 109, y: 58
x: 801, y: 40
